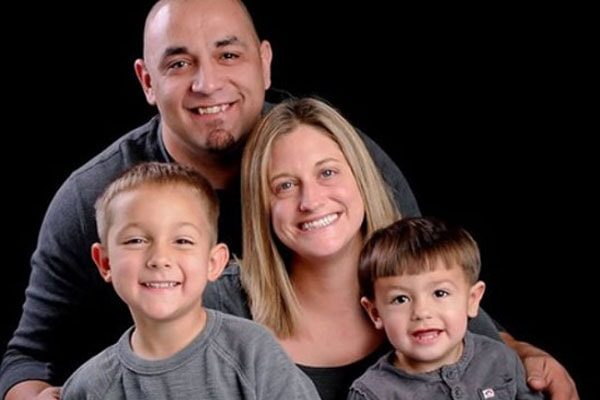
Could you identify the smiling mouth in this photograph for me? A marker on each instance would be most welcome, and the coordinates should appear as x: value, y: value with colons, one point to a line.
x: 161, y: 285
x: 211, y: 110
x: 319, y: 223
x: 426, y: 336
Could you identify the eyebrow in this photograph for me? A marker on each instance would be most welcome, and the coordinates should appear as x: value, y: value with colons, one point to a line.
x: 442, y: 282
x: 227, y: 41
x: 318, y: 164
x: 170, y: 51
x: 230, y: 40
x: 327, y: 160
x: 439, y: 282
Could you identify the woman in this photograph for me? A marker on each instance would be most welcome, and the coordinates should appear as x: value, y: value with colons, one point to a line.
x: 310, y: 196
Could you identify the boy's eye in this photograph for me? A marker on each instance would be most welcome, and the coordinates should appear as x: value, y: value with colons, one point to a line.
x: 400, y: 299
x: 440, y: 293
x: 134, y: 241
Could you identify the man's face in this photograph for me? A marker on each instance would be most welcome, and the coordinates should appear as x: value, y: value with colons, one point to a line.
x: 207, y: 73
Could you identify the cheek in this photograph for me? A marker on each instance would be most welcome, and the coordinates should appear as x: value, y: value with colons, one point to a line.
x: 251, y: 77
x: 457, y: 317
x: 170, y: 93
x: 122, y: 273
x: 356, y: 208
x: 395, y: 326
x: 128, y: 264
x: 394, y: 319
x: 349, y: 191
x: 281, y: 213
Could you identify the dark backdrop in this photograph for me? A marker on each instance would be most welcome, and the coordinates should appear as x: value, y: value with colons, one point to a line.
x: 475, y: 106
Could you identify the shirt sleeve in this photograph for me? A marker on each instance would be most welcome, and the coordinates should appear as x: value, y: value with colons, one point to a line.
x: 405, y: 199
x: 61, y: 299
x: 523, y: 390
x: 226, y: 294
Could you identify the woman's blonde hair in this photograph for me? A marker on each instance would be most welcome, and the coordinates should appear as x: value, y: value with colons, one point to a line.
x: 264, y: 274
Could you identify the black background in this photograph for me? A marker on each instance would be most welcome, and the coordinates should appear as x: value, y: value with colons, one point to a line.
x: 478, y: 107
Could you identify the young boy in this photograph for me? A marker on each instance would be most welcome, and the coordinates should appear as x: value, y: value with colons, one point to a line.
x: 157, y: 225
x: 419, y: 280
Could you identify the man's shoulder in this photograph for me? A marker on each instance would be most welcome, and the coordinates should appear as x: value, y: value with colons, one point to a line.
x: 138, y: 145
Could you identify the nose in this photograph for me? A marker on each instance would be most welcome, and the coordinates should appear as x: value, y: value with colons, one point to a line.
x: 311, y: 197
x: 207, y: 78
x: 421, y: 309
x: 159, y: 257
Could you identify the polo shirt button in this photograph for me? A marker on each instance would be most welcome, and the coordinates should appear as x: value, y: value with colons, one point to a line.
x: 457, y: 392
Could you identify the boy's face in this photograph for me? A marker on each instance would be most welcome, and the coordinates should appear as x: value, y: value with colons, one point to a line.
x: 158, y: 253
x: 425, y: 315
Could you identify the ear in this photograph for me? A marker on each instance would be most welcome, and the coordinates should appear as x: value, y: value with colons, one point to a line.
x: 371, y: 309
x: 100, y: 257
x: 145, y: 80
x: 475, y: 295
x: 266, y: 56
x: 219, y: 256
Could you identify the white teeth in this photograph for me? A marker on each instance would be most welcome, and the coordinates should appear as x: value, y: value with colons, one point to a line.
x: 160, y: 285
x: 428, y: 335
x: 320, y: 223
x: 212, y: 109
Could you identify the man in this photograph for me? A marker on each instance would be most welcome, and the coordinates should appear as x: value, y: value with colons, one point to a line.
x: 206, y: 71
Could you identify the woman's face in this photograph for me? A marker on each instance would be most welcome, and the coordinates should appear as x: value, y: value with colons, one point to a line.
x: 316, y: 207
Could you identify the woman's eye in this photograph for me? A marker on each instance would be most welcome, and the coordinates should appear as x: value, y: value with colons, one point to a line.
x: 283, y: 186
x: 328, y: 173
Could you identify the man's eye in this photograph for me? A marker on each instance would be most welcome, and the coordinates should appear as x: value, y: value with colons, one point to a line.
x: 229, y: 56
x: 178, y: 64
